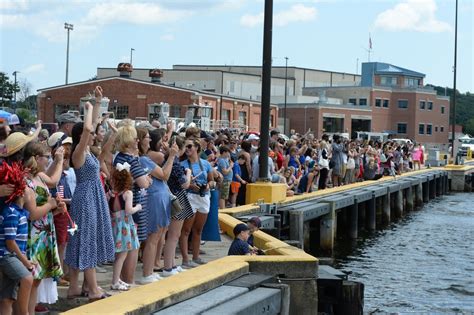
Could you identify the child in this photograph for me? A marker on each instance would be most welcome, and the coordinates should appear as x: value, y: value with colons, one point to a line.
x: 239, y: 245
x: 14, y: 264
x: 124, y: 230
x: 237, y: 180
x: 224, y: 166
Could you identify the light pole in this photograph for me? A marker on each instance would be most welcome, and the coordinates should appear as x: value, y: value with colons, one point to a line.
x: 131, y: 55
x: 305, y: 107
x: 453, y: 130
x: 286, y: 79
x: 68, y: 27
x: 14, y: 88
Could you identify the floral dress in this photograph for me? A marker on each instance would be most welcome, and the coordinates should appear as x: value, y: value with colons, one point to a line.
x: 42, y: 245
x: 123, y: 227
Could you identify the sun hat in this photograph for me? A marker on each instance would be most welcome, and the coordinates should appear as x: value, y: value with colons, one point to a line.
x: 15, y: 142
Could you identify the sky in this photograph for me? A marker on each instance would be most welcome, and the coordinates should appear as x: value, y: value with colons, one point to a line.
x: 328, y: 35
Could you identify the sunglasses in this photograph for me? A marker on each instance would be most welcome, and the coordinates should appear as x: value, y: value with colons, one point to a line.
x: 189, y: 146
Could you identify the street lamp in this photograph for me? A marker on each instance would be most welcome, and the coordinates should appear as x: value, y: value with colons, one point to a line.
x: 68, y: 27
x: 453, y: 130
x: 286, y: 79
x: 131, y: 55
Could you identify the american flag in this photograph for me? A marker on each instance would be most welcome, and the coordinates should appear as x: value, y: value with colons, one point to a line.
x: 60, y: 192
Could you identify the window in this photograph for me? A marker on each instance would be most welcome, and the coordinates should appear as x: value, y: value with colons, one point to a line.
x: 430, y: 105
x: 120, y: 111
x: 225, y: 114
x: 402, y: 103
x: 378, y: 102
x: 388, y: 80
x: 362, y: 101
x: 441, y: 129
x: 353, y: 101
x: 412, y: 82
x: 421, y: 129
x: 429, y: 128
x: 333, y: 124
x: 422, y: 104
x: 402, y: 128
x: 442, y: 109
x: 436, y: 128
x: 386, y: 103
x: 175, y: 111
x: 243, y: 118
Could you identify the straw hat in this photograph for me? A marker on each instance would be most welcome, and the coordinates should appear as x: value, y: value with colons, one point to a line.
x: 15, y: 142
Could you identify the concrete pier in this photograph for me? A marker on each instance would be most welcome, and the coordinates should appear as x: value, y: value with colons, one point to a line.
x: 328, y: 229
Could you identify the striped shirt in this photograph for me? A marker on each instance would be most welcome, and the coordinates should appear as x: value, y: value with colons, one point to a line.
x: 13, y: 226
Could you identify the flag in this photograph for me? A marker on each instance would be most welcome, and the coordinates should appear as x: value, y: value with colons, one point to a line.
x: 370, y: 42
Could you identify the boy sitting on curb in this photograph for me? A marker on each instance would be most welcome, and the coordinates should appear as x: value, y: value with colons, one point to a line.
x: 239, y: 245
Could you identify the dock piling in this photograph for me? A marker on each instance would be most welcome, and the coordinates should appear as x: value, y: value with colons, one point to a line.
x: 386, y: 208
x: 354, y: 220
x: 409, y: 197
x: 371, y: 214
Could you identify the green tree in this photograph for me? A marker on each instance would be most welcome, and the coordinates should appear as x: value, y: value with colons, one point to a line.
x: 7, y: 90
x: 26, y: 115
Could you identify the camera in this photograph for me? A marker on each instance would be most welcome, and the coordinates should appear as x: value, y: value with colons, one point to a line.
x: 202, y: 189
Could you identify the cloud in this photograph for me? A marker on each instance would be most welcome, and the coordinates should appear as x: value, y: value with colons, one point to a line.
x: 13, y: 5
x: 297, y: 13
x: 33, y: 68
x: 412, y: 15
x: 167, y: 37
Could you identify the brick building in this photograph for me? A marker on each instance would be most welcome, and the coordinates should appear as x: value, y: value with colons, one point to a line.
x: 390, y: 99
x: 131, y: 97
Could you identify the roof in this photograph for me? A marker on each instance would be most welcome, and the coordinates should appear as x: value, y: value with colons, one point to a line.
x: 386, y: 68
x: 197, y: 92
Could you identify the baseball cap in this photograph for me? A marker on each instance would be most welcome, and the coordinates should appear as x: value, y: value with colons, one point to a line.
x: 253, y: 137
x: 68, y: 118
x: 58, y: 138
x: 240, y: 228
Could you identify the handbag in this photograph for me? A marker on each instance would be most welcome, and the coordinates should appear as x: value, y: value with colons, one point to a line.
x: 350, y: 164
x: 175, y: 205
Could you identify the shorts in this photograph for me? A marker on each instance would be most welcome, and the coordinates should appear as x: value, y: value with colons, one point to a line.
x: 200, y: 204
x: 61, y: 223
x: 234, y: 187
x: 12, y: 271
x: 224, y: 190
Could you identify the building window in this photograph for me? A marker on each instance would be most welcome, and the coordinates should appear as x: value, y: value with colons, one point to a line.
x: 402, y: 128
x: 388, y: 80
x: 402, y: 103
x: 333, y: 124
x: 422, y: 104
x: 378, y: 102
x: 386, y: 103
x: 243, y: 118
x: 436, y: 128
x: 430, y: 105
x: 441, y: 129
x: 412, y: 82
x: 362, y: 101
x: 421, y: 129
x: 120, y: 111
x: 442, y: 109
x: 353, y: 101
x: 429, y: 128
x: 175, y: 111
x: 225, y: 114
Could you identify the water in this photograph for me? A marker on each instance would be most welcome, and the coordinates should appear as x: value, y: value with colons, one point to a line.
x: 422, y: 263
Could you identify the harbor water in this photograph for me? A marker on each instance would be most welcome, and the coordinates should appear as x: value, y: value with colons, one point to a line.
x: 423, y: 263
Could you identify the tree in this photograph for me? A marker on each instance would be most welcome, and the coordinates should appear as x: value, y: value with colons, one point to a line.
x: 7, y: 89
x: 26, y: 100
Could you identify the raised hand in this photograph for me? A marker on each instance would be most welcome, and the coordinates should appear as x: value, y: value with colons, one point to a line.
x: 98, y: 91
x: 38, y: 124
x: 59, y: 154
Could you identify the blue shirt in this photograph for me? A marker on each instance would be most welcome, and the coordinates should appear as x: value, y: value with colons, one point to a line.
x: 13, y: 226
x: 137, y: 170
x: 200, y: 169
x: 236, y: 171
x: 239, y: 247
x: 223, y: 163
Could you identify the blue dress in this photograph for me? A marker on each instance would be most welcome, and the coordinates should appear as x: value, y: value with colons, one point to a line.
x: 93, y: 242
x: 158, y: 205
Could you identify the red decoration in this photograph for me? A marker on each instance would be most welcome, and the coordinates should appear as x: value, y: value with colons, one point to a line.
x: 15, y: 175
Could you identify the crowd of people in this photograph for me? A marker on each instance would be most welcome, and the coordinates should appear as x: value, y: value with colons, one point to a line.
x: 94, y: 193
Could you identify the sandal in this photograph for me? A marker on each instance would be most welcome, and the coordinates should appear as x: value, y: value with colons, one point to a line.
x: 103, y: 296
x: 119, y: 287
x: 128, y: 285
x: 80, y: 295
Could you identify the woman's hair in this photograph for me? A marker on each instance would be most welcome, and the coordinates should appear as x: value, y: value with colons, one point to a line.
x: 179, y: 141
x: 121, y: 180
x: 156, y: 136
x: 32, y: 150
x: 126, y: 135
x: 76, y: 134
x: 192, y: 132
x: 323, y: 145
x: 246, y: 146
x: 141, y: 134
x: 3, y: 133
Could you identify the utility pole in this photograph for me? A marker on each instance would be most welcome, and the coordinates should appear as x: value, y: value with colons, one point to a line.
x: 266, y: 89
x: 68, y: 27
x: 131, y: 55
x: 453, y: 137
x: 286, y: 86
x: 14, y: 88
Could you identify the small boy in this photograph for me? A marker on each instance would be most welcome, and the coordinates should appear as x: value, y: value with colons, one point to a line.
x: 237, y: 180
x: 224, y: 166
x: 239, y: 245
x: 254, y: 225
x: 14, y: 265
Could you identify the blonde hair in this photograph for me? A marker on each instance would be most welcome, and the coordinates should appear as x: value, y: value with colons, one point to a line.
x: 32, y: 150
x: 323, y: 144
x: 126, y: 135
